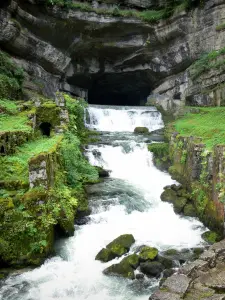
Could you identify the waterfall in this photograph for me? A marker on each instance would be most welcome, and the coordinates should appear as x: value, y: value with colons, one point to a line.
x: 115, y: 118
x: 127, y: 202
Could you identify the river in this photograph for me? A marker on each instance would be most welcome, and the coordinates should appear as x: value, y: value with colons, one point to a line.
x: 126, y: 202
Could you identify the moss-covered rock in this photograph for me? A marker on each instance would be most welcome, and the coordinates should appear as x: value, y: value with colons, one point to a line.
x: 141, y: 130
x: 189, y: 210
x: 179, y: 204
x: 168, y: 195
x: 160, y: 155
x: 121, y: 244
x: 133, y: 260
x: 105, y: 255
x: 171, y: 252
x: 124, y: 268
x: 211, y: 237
x: 148, y: 253
x: 165, y: 261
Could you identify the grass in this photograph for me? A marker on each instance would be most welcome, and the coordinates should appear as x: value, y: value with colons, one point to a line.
x: 14, y: 123
x: 220, y: 27
x: 15, y: 167
x: 207, y: 62
x: 149, y: 16
x: 8, y: 107
x: 209, y: 124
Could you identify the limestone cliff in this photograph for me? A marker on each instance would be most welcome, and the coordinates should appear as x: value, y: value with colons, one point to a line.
x: 110, y: 54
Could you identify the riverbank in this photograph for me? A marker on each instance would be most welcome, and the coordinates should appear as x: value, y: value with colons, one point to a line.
x: 194, y: 155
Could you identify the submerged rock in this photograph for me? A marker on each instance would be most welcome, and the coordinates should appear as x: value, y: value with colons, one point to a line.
x: 141, y: 130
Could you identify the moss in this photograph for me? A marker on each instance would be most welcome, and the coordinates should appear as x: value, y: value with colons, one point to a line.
x: 48, y: 112
x: 123, y: 269
x: 148, y: 253
x: 141, y: 130
x: 133, y: 260
x: 160, y: 155
x: 189, y: 210
x: 105, y: 255
x: 171, y: 252
x: 211, y: 237
x: 124, y: 241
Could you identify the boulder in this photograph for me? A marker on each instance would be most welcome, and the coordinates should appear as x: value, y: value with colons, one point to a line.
x: 141, y: 130
x: 210, y: 237
x: 148, y: 253
x: 121, y: 244
x: 179, y: 203
x: 105, y: 255
x: 168, y: 195
x: 140, y: 276
x: 125, y: 268
x: 165, y: 261
x: 189, y: 210
x: 102, y: 172
x: 152, y: 268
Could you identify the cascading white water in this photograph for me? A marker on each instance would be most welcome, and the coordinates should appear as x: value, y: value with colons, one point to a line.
x: 117, y: 118
x: 127, y: 202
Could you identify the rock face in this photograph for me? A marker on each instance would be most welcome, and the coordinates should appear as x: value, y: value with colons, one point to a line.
x: 201, y: 279
x: 85, y: 53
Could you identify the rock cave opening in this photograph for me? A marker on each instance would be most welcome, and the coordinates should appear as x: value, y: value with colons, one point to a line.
x: 45, y: 128
x: 125, y: 88
x: 2, y: 150
x: 122, y: 91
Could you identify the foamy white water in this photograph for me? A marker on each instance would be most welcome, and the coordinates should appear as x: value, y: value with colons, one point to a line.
x: 117, y: 118
x: 127, y: 202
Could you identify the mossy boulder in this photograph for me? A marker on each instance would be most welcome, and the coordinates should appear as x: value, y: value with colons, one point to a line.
x: 189, y: 210
x: 133, y: 260
x: 141, y: 130
x: 171, y: 196
x: 168, y: 195
x: 179, y: 204
x: 105, y: 255
x: 121, y: 244
x: 125, y: 268
x: 148, y: 253
x: 211, y: 237
x: 171, y: 252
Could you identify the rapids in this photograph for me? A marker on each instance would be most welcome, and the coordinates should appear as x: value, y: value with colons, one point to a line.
x: 126, y: 202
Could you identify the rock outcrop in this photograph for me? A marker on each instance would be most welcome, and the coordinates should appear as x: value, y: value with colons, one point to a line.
x: 201, y: 279
x: 119, y: 59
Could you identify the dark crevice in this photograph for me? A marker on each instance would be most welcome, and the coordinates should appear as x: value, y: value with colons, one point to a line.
x: 45, y: 128
x: 2, y: 150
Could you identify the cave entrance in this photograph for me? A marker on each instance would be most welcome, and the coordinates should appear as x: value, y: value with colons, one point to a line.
x: 2, y: 150
x: 45, y: 128
x: 124, y: 88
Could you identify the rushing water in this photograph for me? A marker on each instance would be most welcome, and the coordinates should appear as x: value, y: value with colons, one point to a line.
x: 127, y: 202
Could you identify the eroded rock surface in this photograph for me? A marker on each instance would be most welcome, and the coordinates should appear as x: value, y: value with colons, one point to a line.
x: 201, y: 279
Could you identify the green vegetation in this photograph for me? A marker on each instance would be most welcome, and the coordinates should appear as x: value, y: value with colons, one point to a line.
x: 11, y: 78
x: 149, y: 16
x: 8, y: 107
x: 207, y: 62
x: 220, y: 27
x: 207, y: 124
x: 16, y: 166
x: 14, y: 123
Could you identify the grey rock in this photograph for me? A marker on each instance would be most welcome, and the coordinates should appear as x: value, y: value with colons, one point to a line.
x: 177, y: 283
